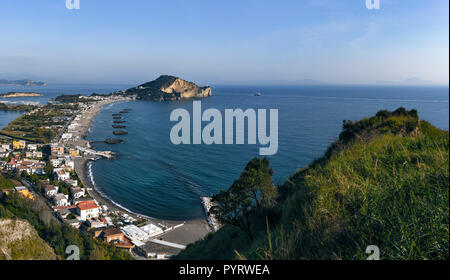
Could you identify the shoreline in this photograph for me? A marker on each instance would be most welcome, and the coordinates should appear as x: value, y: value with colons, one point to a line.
x: 191, y: 231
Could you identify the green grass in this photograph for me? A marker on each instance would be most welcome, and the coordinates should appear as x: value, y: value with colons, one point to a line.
x: 385, y: 182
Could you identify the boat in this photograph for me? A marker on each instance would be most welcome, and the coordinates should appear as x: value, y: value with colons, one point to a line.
x: 258, y: 94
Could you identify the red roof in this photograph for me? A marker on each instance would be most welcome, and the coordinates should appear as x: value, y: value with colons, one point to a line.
x: 85, y: 205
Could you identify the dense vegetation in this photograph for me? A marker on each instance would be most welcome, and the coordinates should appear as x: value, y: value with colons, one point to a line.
x: 40, y: 125
x: 384, y: 182
x: 58, y: 235
x: 17, y: 107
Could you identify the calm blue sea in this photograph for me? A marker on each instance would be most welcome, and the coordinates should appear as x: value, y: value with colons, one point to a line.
x: 153, y: 177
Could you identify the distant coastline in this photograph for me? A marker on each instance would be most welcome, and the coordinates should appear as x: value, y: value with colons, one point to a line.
x: 25, y: 82
x: 13, y: 94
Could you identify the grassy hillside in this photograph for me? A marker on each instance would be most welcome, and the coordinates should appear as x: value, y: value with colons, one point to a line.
x: 57, y: 235
x: 20, y: 241
x: 384, y: 182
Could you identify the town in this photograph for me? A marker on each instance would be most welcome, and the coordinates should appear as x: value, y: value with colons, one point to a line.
x: 44, y: 153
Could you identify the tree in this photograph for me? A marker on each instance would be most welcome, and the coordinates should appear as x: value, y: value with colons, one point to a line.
x: 248, y: 195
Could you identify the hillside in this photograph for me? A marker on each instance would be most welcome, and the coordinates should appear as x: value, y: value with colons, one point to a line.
x: 20, y: 241
x: 36, y: 220
x: 384, y: 182
x: 169, y: 88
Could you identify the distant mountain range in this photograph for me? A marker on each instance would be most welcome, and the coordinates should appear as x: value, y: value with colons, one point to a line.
x: 28, y: 83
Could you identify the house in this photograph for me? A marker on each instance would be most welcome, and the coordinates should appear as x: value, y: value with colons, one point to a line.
x: 19, y: 144
x: 73, y: 183
x: 61, y: 174
x: 69, y: 163
x: 76, y: 192
x: 73, y: 222
x: 24, y: 192
x: 114, y: 236
x: 135, y: 233
x: 34, y: 154
x: 66, y: 136
x: 12, y: 164
x: 32, y: 147
x: 61, y: 200
x: 50, y: 190
x: 63, y: 213
x: 87, y: 209
x: 7, y: 147
x: 74, y: 153
x: 95, y: 223
x: 57, y: 149
x: 55, y: 161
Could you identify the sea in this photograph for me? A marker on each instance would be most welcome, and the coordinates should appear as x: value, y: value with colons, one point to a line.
x: 153, y: 177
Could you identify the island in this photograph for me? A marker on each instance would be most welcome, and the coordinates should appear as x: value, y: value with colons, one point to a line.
x: 25, y: 82
x: 19, y: 94
x: 168, y: 87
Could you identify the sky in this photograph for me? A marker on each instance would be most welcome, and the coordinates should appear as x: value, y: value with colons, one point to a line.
x: 220, y: 42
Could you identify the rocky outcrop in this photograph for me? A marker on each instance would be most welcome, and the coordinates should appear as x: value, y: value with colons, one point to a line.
x: 169, y: 88
x: 20, y: 241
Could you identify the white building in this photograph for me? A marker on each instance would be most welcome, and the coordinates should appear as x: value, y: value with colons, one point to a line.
x: 77, y: 192
x: 50, y: 190
x: 151, y: 229
x: 73, y: 183
x: 7, y: 147
x: 32, y: 147
x: 61, y: 174
x: 87, y: 210
x: 61, y: 200
x: 135, y: 233
x: 56, y: 162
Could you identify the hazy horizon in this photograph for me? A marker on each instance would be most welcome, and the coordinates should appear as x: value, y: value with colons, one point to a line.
x: 314, y: 42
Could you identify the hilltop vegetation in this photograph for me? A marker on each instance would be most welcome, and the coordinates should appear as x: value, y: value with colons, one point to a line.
x: 384, y: 182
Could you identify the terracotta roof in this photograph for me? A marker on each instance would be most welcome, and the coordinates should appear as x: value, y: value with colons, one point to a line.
x: 85, y: 205
x: 111, y: 231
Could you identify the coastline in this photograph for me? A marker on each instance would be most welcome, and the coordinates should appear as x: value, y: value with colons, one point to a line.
x: 191, y: 231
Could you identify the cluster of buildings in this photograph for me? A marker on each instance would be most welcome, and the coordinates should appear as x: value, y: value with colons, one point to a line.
x: 70, y: 200
x: 22, y: 157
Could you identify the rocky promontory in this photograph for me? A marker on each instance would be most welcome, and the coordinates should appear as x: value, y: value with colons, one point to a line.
x: 168, y: 88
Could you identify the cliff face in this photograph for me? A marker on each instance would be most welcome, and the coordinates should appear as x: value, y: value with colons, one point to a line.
x: 20, y: 241
x: 169, y: 88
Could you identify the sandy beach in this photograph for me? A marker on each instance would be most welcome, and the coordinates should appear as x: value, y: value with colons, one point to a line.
x: 190, y: 231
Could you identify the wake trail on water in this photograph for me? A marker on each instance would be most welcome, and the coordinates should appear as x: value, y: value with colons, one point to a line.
x: 185, y: 180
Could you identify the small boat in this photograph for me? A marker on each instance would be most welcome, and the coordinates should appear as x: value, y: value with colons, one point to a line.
x: 258, y: 94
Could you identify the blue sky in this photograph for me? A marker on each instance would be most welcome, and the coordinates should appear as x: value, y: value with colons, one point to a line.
x: 226, y: 41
